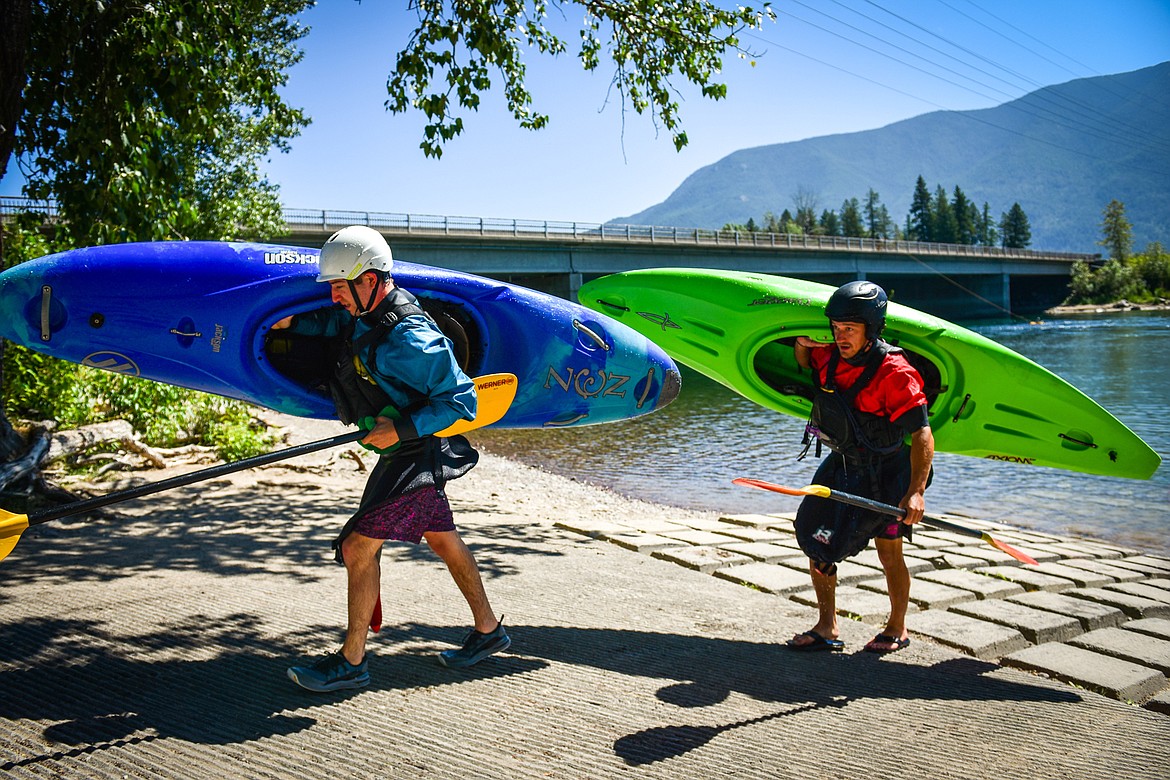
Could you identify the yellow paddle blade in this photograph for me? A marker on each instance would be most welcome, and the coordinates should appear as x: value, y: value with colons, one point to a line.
x: 494, y: 393
x: 11, y: 527
x: 817, y: 490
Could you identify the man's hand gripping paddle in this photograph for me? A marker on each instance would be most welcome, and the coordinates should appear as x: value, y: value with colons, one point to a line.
x: 887, y: 509
x: 495, y: 394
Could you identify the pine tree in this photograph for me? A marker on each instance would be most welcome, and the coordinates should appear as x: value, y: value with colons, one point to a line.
x: 1116, y: 232
x: 920, y: 220
x: 1013, y: 225
x: 964, y: 217
x: 877, y: 217
x: 830, y: 224
x: 945, y: 225
x: 988, y: 233
x: 851, y: 224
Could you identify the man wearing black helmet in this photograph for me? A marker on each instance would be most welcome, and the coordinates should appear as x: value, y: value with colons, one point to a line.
x: 869, y: 401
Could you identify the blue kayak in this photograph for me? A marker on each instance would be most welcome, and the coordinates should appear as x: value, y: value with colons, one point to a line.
x: 197, y: 313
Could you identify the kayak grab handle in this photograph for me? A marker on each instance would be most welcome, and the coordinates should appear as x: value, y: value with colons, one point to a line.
x: 962, y: 406
x: 1066, y: 437
x: 46, y: 303
x: 613, y: 305
x: 596, y: 338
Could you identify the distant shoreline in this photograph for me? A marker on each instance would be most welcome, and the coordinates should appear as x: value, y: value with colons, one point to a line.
x: 1104, y: 308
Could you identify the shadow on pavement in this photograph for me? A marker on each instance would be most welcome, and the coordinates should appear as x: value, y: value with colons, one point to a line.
x: 101, y: 690
x: 232, y: 535
x: 98, y: 693
x: 704, y: 671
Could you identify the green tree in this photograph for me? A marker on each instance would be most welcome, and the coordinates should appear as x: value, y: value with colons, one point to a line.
x: 988, y: 233
x: 451, y: 56
x: 965, y: 217
x: 806, y: 220
x: 150, y: 121
x: 877, y: 216
x: 920, y: 220
x: 830, y: 223
x: 1153, y: 268
x: 1116, y: 231
x: 851, y: 224
x: 945, y: 225
x: 141, y: 121
x: 1014, y: 228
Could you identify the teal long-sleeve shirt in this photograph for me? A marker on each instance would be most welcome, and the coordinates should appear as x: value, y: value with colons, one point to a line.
x: 414, y: 355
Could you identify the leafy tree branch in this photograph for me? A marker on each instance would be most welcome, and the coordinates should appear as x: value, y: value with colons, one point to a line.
x: 458, y: 48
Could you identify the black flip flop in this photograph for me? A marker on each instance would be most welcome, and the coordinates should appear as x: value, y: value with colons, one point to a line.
x: 886, y: 639
x: 818, y: 643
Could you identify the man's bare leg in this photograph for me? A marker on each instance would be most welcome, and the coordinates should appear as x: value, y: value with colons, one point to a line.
x: 364, y: 578
x: 461, y: 563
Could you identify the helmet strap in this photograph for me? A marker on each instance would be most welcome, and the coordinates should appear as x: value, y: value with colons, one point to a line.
x: 368, y: 305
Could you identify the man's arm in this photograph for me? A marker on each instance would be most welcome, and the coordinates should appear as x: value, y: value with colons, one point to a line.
x: 802, y: 350
x: 921, y: 457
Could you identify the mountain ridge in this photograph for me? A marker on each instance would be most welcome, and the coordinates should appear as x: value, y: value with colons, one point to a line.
x: 1062, y: 152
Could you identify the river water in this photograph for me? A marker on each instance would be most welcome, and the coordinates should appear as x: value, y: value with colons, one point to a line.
x: 687, y: 454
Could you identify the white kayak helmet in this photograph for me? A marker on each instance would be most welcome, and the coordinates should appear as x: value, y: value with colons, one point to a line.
x: 352, y: 251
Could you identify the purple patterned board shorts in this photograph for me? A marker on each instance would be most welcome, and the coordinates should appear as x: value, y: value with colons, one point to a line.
x: 407, y: 517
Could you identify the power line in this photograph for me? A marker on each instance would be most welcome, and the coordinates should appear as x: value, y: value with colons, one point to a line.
x: 1083, y: 117
x: 965, y: 114
x: 1087, y: 121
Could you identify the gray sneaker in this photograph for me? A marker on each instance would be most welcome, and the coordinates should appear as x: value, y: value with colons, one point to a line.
x: 331, y: 673
x: 476, y: 647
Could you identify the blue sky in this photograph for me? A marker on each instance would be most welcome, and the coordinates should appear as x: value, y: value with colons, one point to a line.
x: 825, y: 67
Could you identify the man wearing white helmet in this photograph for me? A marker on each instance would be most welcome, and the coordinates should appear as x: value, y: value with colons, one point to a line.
x: 396, y: 375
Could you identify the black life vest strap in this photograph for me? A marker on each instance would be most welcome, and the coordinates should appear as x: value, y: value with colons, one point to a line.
x: 354, y: 396
x: 873, y: 362
x: 394, y: 308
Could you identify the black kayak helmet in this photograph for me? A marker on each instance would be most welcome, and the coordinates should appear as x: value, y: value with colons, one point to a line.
x: 859, y: 301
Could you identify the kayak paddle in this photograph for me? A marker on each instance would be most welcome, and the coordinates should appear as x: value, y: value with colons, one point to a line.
x: 887, y: 509
x: 494, y: 392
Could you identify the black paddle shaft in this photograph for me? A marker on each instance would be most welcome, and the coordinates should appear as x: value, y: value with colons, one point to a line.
x: 897, y: 511
x: 78, y: 507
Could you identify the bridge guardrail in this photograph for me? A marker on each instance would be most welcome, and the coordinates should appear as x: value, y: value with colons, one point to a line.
x: 328, y: 220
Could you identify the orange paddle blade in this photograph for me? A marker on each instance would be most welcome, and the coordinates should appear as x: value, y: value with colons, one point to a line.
x: 494, y: 396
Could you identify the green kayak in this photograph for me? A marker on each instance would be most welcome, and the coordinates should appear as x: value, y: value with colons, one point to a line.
x: 986, y: 401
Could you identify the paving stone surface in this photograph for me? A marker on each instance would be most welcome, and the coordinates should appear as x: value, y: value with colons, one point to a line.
x: 1145, y: 564
x: 1157, y: 627
x: 642, y: 542
x: 1087, y: 603
x: 1103, y: 567
x: 982, y: 586
x: 704, y: 559
x: 1092, y: 615
x: 1142, y: 590
x: 1036, y: 625
x: 700, y: 537
x: 975, y: 637
x: 1110, y: 676
x: 766, y: 552
x: 1027, y: 577
x: 766, y: 577
x: 1080, y: 577
x: 1133, y: 606
x: 1128, y: 645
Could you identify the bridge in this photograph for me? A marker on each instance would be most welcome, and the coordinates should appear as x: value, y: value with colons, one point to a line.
x: 950, y: 280
x: 955, y: 281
